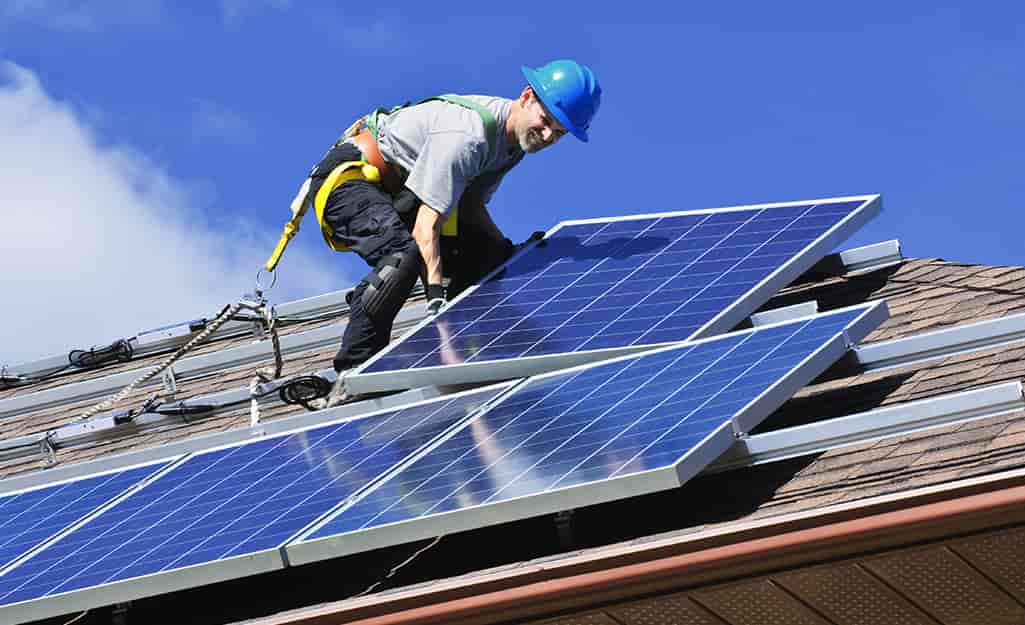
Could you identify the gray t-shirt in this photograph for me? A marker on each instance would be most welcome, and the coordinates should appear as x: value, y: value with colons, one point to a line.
x: 444, y: 148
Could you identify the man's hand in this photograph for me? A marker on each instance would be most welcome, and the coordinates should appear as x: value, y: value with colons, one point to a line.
x: 427, y: 234
x: 435, y: 299
x: 537, y: 235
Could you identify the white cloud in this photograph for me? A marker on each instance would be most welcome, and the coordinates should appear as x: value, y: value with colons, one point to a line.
x: 213, y: 121
x: 79, y: 16
x: 102, y: 243
x: 234, y: 11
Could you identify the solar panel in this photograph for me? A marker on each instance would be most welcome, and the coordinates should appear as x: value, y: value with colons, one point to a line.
x: 600, y: 288
x: 606, y: 431
x: 30, y: 518
x: 223, y: 513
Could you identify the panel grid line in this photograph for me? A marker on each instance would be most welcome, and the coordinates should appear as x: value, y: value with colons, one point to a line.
x: 592, y: 270
x: 284, y: 488
x: 440, y: 406
x: 122, y: 481
x: 541, y: 429
x: 85, y: 570
x: 543, y: 274
x: 617, y: 404
x: 677, y: 274
x: 413, y: 491
x: 620, y: 282
x: 10, y: 538
x: 281, y: 441
x: 721, y: 276
x: 456, y: 460
x: 504, y: 300
x: 726, y: 388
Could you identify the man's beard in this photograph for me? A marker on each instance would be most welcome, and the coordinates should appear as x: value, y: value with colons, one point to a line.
x: 530, y: 141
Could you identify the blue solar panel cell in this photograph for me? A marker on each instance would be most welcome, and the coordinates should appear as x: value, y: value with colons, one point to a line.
x: 234, y: 501
x: 622, y: 283
x: 30, y: 518
x: 610, y: 420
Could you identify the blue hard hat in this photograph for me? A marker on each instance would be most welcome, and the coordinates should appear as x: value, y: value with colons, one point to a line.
x: 570, y: 91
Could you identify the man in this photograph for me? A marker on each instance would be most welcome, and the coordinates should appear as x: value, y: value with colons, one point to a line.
x: 432, y: 168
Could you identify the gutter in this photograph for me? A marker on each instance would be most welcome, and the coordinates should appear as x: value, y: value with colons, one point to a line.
x: 632, y: 570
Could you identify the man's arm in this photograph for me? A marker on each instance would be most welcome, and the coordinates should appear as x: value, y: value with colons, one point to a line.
x: 427, y: 234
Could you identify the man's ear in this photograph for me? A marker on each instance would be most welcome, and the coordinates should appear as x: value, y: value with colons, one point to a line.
x: 525, y: 95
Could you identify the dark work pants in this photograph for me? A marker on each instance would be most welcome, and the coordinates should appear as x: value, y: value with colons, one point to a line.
x: 363, y: 217
x: 375, y: 225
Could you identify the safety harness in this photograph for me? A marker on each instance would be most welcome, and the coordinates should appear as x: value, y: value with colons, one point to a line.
x: 371, y: 168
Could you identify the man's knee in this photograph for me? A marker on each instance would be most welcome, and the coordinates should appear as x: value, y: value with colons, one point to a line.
x: 386, y: 288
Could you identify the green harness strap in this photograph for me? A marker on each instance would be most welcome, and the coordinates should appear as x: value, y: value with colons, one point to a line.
x: 490, y: 123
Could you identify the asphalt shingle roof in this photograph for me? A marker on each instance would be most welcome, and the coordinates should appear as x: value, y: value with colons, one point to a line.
x: 922, y: 295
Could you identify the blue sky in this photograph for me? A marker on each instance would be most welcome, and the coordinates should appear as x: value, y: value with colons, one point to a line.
x: 158, y: 143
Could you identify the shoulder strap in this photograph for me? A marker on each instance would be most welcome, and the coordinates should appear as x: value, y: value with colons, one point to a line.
x: 371, y: 119
x: 486, y: 116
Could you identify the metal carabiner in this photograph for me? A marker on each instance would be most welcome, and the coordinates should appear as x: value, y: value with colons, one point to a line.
x: 260, y: 288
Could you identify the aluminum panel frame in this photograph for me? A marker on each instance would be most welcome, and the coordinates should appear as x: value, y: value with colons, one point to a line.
x: 145, y: 586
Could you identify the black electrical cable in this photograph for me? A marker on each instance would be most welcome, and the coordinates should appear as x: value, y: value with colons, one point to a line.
x: 304, y: 389
x: 184, y: 410
x: 301, y: 390
x: 93, y: 358
x: 118, y: 351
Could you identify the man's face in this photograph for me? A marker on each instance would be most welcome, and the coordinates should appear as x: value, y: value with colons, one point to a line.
x: 537, y: 129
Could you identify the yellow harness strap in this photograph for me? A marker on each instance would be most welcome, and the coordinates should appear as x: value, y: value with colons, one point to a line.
x: 450, y: 227
x: 350, y: 170
x: 298, y: 206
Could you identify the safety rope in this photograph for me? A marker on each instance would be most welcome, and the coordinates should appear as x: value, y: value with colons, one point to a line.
x: 263, y: 375
x: 254, y: 404
x: 173, y: 358
x: 272, y: 327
